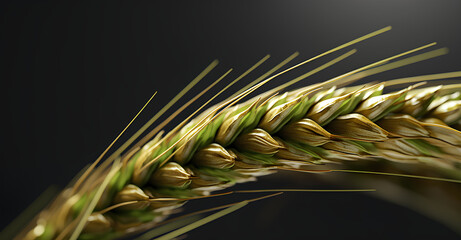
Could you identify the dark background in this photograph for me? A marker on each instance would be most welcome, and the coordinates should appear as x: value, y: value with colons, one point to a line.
x: 74, y: 73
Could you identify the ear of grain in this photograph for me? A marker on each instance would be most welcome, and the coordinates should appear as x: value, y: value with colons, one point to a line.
x: 228, y: 145
x: 378, y: 126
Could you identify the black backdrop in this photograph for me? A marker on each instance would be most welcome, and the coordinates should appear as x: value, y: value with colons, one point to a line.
x: 74, y: 73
